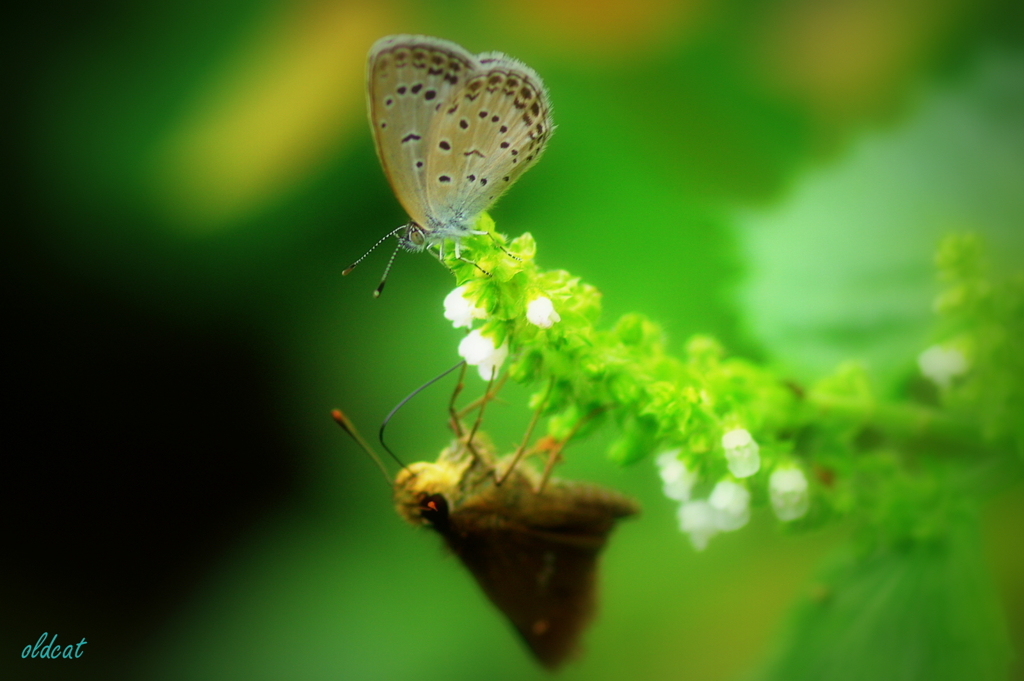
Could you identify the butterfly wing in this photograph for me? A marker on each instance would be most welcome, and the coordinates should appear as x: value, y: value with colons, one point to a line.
x: 535, y: 556
x: 496, y: 127
x: 409, y: 79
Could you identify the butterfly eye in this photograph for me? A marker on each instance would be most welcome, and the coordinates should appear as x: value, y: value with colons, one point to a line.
x: 434, y: 509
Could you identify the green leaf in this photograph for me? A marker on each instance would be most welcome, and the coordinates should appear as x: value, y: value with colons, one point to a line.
x: 925, y: 612
x: 843, y: 268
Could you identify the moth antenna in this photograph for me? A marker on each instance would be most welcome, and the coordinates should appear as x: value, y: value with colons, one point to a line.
x: 347, y: 425
x: 498, y: 479
x: 387, y: 270
x: 372, y: 248
x: 414, y: 393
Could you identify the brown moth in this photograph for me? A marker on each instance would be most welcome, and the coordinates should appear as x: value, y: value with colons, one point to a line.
x: 532, y: 543
x: 533, y: 553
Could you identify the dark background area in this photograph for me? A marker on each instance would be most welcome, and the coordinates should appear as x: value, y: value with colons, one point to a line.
x: 177, y: 328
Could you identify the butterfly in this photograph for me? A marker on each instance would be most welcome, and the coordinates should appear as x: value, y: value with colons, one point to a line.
x: 453, y: 131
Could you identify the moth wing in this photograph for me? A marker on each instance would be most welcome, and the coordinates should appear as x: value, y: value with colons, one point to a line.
x: 539, y: 565
x: 496, y: 128
x: 409, y: 79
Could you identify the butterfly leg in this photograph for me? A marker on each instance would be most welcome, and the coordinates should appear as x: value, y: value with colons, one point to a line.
x: 486, y: 273
x: 503, y: 249
x: 458, y: 254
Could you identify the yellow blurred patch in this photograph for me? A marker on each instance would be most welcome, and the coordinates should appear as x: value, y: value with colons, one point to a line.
x: 284, y: 106
x: 846, y: 58
x: 621, y: 30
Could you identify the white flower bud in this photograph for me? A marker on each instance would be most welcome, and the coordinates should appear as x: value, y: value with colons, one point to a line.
x: 941, y: 364
x: 787, y: 488
x: 697, y: 519
x: 731, y: 502
x: 479, y: 351
x: 541, y: 312
x: 741, y: 453
x: 459, y: 311
x: 677, y: 480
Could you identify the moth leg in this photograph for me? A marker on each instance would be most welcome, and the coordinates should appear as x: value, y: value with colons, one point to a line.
x: 554, y: 456
x: 476, y: 403
x: 555, y: 449
x: 498, y: 479
x: 453, y: 413
x: 480, y: 414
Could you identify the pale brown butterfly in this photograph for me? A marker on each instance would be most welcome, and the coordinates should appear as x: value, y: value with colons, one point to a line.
x: 453, y: 131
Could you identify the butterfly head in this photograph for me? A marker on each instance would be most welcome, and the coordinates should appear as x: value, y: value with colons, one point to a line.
x: 413, y: 237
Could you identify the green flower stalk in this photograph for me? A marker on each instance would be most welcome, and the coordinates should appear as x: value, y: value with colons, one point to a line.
x: 732, y: 434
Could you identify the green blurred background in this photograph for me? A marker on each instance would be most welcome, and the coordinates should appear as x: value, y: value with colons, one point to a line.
x: 189, y: 180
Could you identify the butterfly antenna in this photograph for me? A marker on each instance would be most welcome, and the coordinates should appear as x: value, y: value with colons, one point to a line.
x: 414, y: 393
x: 372, y: 248
x: 387, y: 270
x: 347, y: 425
